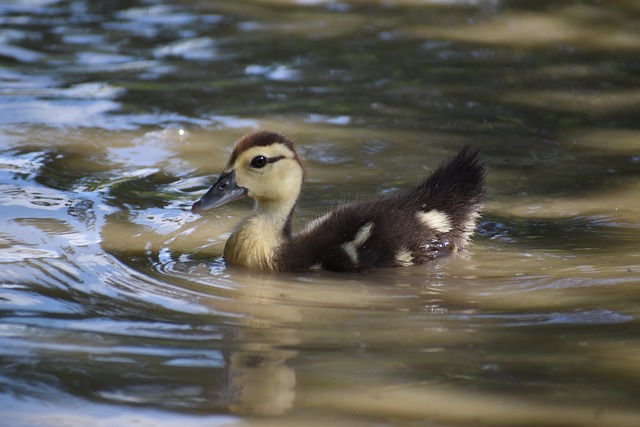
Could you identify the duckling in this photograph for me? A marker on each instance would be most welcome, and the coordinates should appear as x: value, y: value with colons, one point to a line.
x: 435, y: 218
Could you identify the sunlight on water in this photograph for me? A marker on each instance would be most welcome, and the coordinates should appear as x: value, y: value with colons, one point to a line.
x: 117, y: 309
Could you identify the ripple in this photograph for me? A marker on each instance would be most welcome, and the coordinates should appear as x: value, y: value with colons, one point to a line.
x: 326, y: 152
x: 202, y: 48
x: 21, y: 300
x: 93, y: 59
x: 332, y: 120
x: 32, y: 196
x: 586, y: 317
x: 233, y: 122
x: 22, y: 253
x: 26, y: 163
x: 66, y: 412
x: 95, y: 90
x: 25, y: 82
x: 76, y: 113
x: 157, y: 15
x: 21, y: 54
x: 273, y: 72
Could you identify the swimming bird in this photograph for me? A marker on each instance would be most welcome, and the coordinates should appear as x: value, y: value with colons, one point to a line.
x: 435, y: 218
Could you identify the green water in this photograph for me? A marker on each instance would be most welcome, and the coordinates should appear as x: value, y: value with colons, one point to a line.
x: 116, y: 310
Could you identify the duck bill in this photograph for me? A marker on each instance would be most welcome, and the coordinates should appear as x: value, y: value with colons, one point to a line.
x: 224, y: 190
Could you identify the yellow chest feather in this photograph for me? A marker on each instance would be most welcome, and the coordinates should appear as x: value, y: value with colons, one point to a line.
x: 253, y: 244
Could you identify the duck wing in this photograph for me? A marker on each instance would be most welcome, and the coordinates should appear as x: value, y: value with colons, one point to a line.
x: 435, y: 218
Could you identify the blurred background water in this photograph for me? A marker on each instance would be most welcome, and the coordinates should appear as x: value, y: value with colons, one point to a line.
x: 115, y: 308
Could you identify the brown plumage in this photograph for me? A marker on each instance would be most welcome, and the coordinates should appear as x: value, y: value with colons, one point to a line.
x: 435, y: 218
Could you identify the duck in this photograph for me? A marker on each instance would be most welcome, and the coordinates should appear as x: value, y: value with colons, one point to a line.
x: 435, y: 218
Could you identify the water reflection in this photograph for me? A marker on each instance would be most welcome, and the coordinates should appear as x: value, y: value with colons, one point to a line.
x: 115, y: 307
x: 263, y: 381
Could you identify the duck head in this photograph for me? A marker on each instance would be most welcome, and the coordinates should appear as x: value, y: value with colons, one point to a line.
x: 263, y: 166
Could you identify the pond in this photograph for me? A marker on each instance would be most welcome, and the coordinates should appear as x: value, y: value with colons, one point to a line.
x: 116, y: 308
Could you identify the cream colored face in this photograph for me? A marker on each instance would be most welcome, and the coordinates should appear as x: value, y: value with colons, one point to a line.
x: 269, y: 173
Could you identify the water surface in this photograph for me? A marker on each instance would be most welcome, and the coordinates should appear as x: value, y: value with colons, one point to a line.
x: 115, y: 308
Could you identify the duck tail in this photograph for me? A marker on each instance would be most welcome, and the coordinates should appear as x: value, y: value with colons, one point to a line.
x: 452, y: 196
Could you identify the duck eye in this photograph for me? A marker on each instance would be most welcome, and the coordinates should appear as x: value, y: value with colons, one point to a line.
x: 258, y: 162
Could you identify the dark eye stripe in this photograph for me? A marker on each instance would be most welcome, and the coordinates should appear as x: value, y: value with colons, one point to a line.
x: 274, y: 159
x: 259, y: 162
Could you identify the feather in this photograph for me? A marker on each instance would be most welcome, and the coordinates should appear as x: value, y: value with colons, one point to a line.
x: 435, y: 218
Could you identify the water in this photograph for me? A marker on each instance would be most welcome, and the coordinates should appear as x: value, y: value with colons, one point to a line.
x: 116, y: 309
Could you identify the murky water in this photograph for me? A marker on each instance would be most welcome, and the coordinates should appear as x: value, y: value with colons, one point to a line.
x: 115, y: 309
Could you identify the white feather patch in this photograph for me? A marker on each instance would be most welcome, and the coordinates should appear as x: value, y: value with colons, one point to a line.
x: 316, y: 222
x: 437, y: 220
x: 404, y: 258
x: 469, y: 226
x: 351, y: 248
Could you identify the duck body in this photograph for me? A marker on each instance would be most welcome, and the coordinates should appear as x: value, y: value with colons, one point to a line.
x: 433, y: 219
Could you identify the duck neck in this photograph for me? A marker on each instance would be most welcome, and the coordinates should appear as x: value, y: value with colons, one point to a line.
x: 276, y: 215
x: 256, y: 240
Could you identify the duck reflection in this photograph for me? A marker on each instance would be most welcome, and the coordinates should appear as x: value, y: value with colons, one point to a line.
x: 261, y: 380
x: 263, y: 384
